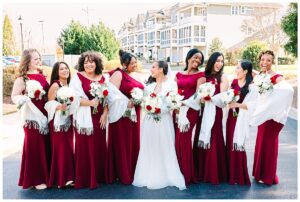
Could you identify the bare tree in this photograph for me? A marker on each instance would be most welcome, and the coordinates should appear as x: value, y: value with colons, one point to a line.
x: 264, y: 25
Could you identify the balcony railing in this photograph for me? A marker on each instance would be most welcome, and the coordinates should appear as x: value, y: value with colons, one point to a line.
x: 199, y: 39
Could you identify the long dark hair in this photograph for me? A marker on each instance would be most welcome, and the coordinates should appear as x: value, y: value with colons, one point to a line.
x: 161, y: 64
x: 125, y: 57
x: 93, y: 57
x: 55, y: 70
x: 246, y: 65
x: 210, y: 66
x: 190, y: 54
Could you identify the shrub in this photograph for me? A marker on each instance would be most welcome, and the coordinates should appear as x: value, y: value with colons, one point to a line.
x: 252, y: 51
x: 285, y: 61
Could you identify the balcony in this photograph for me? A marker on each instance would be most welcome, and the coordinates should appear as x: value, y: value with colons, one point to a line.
x: 155, y: 26
x: 193, y: 19
x: 184, y: 41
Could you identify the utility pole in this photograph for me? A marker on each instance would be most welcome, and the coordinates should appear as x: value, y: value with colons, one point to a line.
x: 86, y: 10
x: 42, y: 21
x: 21, y: 24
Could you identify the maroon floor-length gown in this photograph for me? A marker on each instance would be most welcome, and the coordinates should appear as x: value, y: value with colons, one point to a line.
x: 211, y: 164
x: 62, y: 167
x: 237, y: 160
x: 266, y: 151
x: 36, y: 148
x: 183, y: 140
x: 124, y: 138
x: 90, y: 150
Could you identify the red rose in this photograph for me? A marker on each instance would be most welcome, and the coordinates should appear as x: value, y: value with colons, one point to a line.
x: 37, y: 93
x: 71, y: 99
x: 273, y: 80
x: 105, y: 92
x: 148, y: 108
x: 168, y: 94
x: 152, y: 95
x: 180, y: 92
x: 207, y: 98
x: 236, y: 92
x: 157, y: 110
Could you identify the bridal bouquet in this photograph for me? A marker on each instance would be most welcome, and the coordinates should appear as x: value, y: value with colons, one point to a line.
x: 205, y: 91
x: 230, y: 95
x: 174, y: 99
x: 152, y: 106
x: 136, y: 98
x: 65, y: 95
x: 99, y: 90
x: 264, y: 83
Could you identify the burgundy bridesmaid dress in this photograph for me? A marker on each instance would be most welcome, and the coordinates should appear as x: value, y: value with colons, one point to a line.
x: 36, y: 149
x: 211, y: 164
x: 266, y: 151
x: 62, y: 167
x: 183, y: 140
x: 124, y: 138
x: 237, y: 160
x: 90, y: 150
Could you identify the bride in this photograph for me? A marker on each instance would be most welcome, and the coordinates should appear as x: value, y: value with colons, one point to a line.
x: 157, y: 166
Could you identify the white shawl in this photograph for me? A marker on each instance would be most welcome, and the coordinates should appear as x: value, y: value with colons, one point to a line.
x: 61, y: 122
x: 30, y: 115
x: 242, y: 127
x: 82, y: 118
x: 274, y: 106
x: 191, y: 102
x: 208, y: 120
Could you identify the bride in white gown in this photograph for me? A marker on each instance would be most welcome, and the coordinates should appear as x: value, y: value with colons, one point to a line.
x: 157, y: 166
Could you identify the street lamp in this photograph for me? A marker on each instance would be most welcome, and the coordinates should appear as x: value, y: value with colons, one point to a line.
x: 21, y: 23
x: 42, y: 21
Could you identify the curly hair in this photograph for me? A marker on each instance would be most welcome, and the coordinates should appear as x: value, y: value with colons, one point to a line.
x: 92, y: 57
x: 269, y: 52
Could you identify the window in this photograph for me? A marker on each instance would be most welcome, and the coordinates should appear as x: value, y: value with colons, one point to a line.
x: 196, y: 30
x: 243, y: 10
x: 249, y: 31
x: 234, y: 10
x: 200, y: 11
x: 202, y: 31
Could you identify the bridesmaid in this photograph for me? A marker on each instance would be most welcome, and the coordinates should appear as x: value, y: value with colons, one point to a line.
x: 62, y: 140
x: 266, y: 147
x: 124, y: 134
x: 211, y: 162
x: 90, y: 132
x: 187, y: 82
x: 235, y: 138
x: 36, y: 148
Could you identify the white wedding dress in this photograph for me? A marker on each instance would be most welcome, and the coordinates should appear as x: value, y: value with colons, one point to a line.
x: 157, y: 166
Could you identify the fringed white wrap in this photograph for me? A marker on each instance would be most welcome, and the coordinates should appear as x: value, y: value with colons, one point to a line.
x: 61, y: 122
x: 242, y: 127
x: 30, y: 115
x: 191, y: 102
x: 274, y: 106
x: 208, y: 120
x: 82, y: 118
x: 117, y: 103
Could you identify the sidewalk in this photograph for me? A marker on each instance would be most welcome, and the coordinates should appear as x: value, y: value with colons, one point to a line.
x: 286, y: 189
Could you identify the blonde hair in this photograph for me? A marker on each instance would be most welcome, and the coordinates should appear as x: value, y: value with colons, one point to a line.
x: 25, y: 61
